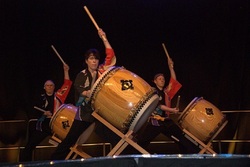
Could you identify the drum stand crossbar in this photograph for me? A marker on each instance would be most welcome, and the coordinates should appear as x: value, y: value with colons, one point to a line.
x: 205, y: 148
x: 126, y: 139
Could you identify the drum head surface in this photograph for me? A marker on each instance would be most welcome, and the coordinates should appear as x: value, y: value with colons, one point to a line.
x: 144, y: 113
x: 187, y: 108
x: 55, y: 114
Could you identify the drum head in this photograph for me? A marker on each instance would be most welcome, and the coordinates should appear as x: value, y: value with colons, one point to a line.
x: 55, y: 114
x: 144, y: 113
x: 184, y: 112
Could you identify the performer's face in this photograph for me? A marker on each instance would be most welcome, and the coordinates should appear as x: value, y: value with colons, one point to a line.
x: 49, y: 87
x: 92, y: 62
x: 160, y: 81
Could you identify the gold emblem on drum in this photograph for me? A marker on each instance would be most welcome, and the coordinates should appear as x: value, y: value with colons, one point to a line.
x: 127, y: 84
x: 209, y: 111
x: 65, y: 124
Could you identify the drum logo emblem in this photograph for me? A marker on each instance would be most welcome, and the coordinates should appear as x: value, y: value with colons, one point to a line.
x: 65, y: 124
x: 209, y: 111
x: 127, y: 84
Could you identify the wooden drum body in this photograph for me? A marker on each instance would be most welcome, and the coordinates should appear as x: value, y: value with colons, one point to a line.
x: 123, y: 99
x: 62, y: 120
x: 202, y: 119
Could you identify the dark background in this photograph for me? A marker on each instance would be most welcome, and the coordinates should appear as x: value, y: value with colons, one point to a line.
x: 208, y: 41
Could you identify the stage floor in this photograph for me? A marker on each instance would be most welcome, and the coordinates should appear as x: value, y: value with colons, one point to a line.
x: 173, y: 160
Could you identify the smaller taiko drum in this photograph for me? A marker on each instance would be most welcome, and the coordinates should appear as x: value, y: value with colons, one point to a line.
x: 202, y: 119
x: 62, y: 120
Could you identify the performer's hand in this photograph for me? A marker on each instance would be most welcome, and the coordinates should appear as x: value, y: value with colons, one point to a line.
x: 102, y: 34
x: 175, y: 110
x: 170, y: 63
x: 65, y: 67
x: 47, y: 113
x: 158, y: 117
x: 86, y: 93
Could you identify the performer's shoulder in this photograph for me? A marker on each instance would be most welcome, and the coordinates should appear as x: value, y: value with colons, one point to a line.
x: 83, y: 72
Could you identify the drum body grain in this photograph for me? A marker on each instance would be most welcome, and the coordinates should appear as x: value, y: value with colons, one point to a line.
x: 62, y: 120
x: 123, y: 99
x: 202, y: 119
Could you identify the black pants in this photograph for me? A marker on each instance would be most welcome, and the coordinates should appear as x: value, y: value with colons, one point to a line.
x: 34, y: 139
x: 106, y: 134
x: 169, y: 129
x: 75, y: 131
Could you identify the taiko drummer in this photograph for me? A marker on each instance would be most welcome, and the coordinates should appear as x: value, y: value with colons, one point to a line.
x: 47, y: 104
x: 83, y: 83
x: 160, y: 122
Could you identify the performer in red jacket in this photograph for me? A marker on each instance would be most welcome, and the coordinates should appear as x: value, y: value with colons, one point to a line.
x: 49, y: 102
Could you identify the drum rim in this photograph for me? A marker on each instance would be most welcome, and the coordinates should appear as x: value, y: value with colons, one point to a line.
x: 188, y: 107
x: 136, y: 110
x: 150, y: 100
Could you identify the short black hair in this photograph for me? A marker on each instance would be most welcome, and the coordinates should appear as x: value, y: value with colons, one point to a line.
x: 157, y: 75
x: 95, y: 53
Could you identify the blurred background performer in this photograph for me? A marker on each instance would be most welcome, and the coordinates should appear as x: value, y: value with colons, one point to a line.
x: 49, y: 102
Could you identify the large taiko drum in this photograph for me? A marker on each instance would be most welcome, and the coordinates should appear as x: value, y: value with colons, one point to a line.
x: 62, y: 120
x: 202, y: 119
x: 123, y: 99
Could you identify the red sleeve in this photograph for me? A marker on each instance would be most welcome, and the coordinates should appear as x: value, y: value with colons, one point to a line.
x: 110, y: 56
x: 170, y: 91
x: 63, y: 92
x: 173, y: 88
x: 110, y: 60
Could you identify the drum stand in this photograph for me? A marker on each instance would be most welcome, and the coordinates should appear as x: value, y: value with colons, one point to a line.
x: 54, y: 140
x: 204, y: 147
x: 77, y: 148
x: 126, y: 139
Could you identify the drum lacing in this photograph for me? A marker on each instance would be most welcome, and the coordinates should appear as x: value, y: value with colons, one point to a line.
x: 135, y: 110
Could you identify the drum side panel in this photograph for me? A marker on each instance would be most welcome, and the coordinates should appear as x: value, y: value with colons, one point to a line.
x: 63, y: 120
x: 113, y: 113
x: 119, y: 95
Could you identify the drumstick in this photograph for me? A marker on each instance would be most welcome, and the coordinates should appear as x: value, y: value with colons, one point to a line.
x: 91, y: 17
x: 165, y: 49
x: 58, y: 54
x: 178, y: 102
x: 94, y: 22
x: 35, y: 107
